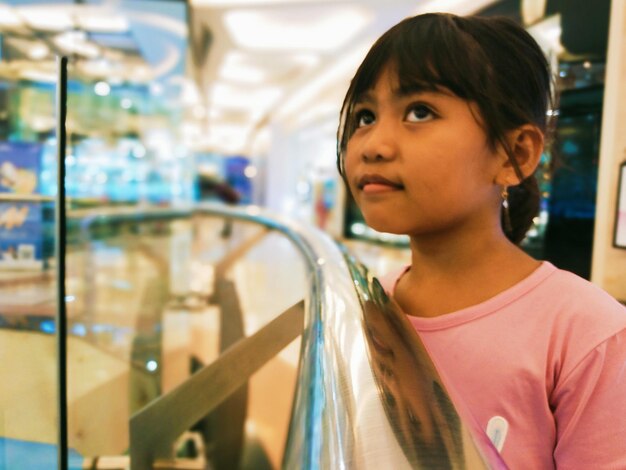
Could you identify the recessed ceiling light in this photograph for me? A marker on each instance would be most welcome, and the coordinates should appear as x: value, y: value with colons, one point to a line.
x: 8, y: 18
x: 237, y: 68
x: 48, y: 19
x: 302, y: 28
x: 231, y: 97
x: 76, y: 42
x: 102, y: 22
x: 339, y: 72
x: 38, y: 51
x: 36, y: 75
x: 254, y: 68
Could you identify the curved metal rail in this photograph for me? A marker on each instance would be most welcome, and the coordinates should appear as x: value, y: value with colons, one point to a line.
x: 347, y: 412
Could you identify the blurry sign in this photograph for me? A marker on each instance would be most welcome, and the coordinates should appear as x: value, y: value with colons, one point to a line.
x: 21, y: 227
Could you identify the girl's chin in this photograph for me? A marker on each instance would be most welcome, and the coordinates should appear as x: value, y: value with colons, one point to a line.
x: 385, y: 226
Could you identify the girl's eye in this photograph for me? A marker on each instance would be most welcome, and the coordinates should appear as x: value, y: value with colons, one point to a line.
x: 419, y: 113
x: 364, y: 117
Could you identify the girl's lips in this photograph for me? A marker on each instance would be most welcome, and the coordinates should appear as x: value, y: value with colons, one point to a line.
x: 373, y: 184
x: 376, y: 188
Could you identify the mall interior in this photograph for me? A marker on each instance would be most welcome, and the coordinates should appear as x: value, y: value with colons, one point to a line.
x: 198, y: 303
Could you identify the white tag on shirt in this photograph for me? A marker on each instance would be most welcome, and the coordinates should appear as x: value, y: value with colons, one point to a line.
x: 497, y: 429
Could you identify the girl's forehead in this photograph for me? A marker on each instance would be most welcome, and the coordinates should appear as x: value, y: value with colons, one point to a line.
x: 386, y: 77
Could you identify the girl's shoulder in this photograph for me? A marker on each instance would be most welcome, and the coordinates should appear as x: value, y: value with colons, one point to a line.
x: 575, y: 315
x: 580, y: 295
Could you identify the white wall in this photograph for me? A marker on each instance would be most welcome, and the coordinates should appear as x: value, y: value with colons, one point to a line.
x: 609, y: 263
x: 297, y: 160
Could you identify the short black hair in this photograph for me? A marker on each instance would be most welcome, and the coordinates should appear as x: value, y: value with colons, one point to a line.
x: 491, y: 61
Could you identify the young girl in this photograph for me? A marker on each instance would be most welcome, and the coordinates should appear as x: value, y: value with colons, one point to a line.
x: 441, y: 131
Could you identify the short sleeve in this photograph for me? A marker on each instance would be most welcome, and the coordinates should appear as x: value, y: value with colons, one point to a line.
x: 589, y: 407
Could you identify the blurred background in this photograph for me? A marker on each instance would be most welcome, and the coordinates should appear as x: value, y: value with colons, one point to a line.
x: 173, y: 103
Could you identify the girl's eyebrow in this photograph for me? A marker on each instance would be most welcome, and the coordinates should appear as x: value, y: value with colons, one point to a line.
x: 367, y: 97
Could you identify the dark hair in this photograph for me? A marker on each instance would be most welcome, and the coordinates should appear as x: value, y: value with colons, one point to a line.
x: 492, y: 61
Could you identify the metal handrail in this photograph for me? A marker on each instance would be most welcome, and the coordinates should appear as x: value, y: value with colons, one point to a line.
x: 340, y: 418
x: 149, y: 442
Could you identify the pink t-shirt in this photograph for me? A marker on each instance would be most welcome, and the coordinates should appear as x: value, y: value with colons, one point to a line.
x: 541, y: 367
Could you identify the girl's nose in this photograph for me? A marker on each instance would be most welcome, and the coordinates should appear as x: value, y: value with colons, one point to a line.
x: 380, y: 144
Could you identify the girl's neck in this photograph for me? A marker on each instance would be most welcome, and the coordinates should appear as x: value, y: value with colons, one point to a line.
x: 446, y: 276
x: 431, y: 255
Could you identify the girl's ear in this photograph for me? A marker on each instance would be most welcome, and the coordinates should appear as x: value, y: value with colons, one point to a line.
x: 526, y: 143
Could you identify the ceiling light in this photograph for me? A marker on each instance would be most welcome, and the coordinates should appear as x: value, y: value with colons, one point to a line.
x: 48, y: 19
x: 199, y: 112
x: 254, y: 69
x: 103, y: 22
x: 38, y: 75
x: 306, y: 60
x: 97, y: 67
x: 340, y: 71
x: 75, y: 42
x: 38, y: 51
x: 32, y: 48
x: 231, y: 97
x: 140, y: 73
x: 229, y: 131
x: 228, y: 138
x: 235, y: 67
x: 215, y: 113
x: 8, y: 18
x: 311, y: 29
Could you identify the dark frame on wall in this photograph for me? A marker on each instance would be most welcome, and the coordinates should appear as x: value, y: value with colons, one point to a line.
x: 619, y: 234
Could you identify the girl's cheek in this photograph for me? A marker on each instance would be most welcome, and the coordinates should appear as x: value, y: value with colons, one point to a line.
x: 349, y: 158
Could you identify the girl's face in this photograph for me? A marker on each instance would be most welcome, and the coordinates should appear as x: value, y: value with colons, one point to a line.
x: 419, y: 163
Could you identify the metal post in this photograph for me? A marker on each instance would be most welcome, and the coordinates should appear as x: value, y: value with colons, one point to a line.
x: 60, y: 237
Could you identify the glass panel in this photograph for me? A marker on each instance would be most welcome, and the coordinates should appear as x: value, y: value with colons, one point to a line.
x: 125, y: 83
x: 28, y: 357
x: 153, y: 299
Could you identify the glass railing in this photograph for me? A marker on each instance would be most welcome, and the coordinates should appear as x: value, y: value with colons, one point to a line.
x: 190, y: 305
x: 223, y: 338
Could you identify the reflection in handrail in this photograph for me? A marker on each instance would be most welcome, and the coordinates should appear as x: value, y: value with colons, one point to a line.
x: 343, y: 413
x: 342, y: 417
x: 420, y: 411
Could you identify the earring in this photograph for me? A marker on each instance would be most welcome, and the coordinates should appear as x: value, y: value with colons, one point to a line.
x: 506, y: 216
